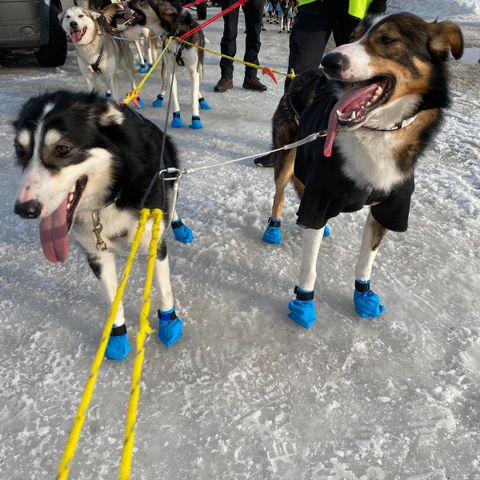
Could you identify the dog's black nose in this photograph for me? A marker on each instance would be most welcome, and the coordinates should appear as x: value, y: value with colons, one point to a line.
x: 30, y: 209
x: 335, y: 63
x: 73, y: 24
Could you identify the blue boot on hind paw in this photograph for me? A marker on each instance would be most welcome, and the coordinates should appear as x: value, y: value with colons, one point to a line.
x: 158, y: 102
x: 196, y: 123
x: 170, y: 327
x: 326, y: 231
x: 140, y: 103
x: 204, y: 105
x: 177, y: 121
x: 273, y: 233
x: 302, y: 308
x: 182, y: 233
x: 367, y: 302
x: 118, y: 346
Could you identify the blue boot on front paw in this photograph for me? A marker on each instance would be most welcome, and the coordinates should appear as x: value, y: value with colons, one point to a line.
x: 367, y: 302
x: 326, y: 231
x: 118, y: 346
x: 273, y: 233
x: 177, y: 121
x: 196, y: 123
x: 143, y: 68
x: 302, y: 308
x: 170, y: 327
x: 204, y: 105
x: 158, y: 102
x: 182, y: 233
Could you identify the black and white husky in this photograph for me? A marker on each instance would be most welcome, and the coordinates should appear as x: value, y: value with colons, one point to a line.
x: 100, y: 55
x: 86, y: 164
x: 165, y: 17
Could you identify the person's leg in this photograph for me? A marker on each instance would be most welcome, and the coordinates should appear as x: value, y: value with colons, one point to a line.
x: 253, y: 25
x: 228, y: 44
x: 310, y: 32
x: 345, y: 24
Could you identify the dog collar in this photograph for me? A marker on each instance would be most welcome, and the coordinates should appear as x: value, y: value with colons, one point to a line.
x: 404, y: 123
x: 95, y: 66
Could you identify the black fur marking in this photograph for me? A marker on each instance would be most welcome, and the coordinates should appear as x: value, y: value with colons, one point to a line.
x: 162, y: 250
x: 95, y: 266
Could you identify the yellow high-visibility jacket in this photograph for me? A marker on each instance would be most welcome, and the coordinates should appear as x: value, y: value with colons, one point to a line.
x: 356, y: 8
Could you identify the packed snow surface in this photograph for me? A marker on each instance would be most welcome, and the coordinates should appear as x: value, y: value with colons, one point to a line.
x: 247, y: 394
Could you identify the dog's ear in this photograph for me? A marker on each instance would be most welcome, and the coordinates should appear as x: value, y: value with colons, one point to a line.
x: 445, y: 37
x: 60, y: 17
x: 110, y: 11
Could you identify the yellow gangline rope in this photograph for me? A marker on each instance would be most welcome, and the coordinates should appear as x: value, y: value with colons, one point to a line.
x: 248, y: 64
x: 69, y: 452
x: 135, y: 92
x: 143, y: 332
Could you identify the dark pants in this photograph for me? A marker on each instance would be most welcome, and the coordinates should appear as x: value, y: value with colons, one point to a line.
x: 253, y: 11
x: 312, y: 27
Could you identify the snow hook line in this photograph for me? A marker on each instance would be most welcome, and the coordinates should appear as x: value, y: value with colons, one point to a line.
x: 143, y: 332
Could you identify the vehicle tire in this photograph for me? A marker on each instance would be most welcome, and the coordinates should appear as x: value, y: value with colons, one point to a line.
x: 202, y: 11
x: 54, y: 53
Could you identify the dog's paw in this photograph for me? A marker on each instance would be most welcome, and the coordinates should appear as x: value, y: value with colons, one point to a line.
x: 143, y: 68
x: 273, y: 233
x: 158, y: 102
x: 182, y: 233
x: 367, y: 302
x: 204, y: 105
x: 117, y: 346
x: 196, y: 123
x: 302, y: 308
x: 139, y: 103
x: 326, y: 231
x: 170, y: 327
x: 177, y: 121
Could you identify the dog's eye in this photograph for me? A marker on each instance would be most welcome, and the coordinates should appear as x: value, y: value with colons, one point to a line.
x: 386, y: 40
x: 62, y: 150
x: 81, y: 16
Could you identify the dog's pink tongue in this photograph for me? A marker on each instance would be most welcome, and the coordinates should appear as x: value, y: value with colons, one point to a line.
x: 76, y: 36
x: 54, y: 235
x: 351, y: 101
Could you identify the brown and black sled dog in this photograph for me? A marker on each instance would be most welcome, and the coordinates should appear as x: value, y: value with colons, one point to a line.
x: 380, y: 99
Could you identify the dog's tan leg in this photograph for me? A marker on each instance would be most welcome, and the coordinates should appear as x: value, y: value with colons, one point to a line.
x: 283, y: 174
x: 299, y: 186
x: 372, y: 236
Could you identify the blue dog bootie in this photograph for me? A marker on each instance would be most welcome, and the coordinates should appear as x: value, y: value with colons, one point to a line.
x: 367, y: 302
x: 204, y: 105
x: 170, y: 327
x: 143, y: 68
x: 182, y: 233
x: 326, y: 231
x: 196, y: 123
x: 302, y: 308
x: 273, y: 233
x: 141, y: 105
x: 158, y: 102
x: 118, y: 346
x: 177, y: 121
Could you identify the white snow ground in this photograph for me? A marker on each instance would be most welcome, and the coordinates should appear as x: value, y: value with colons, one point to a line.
x: 247, y: 394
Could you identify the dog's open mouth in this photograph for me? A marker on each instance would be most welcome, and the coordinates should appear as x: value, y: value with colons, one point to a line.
x: 54, y: 228
x: 136, y: 17
x: 352, y: 110
x: 77, y: 35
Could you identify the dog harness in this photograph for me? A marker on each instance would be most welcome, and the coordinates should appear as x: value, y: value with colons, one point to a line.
x: 95, y: 66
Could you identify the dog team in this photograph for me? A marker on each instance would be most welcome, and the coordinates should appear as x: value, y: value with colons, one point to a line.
x: 88, y: 161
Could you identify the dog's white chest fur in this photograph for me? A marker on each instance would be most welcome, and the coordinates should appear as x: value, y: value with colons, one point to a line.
x: 369, y: 159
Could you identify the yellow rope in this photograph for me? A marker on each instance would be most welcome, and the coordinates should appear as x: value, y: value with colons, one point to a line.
x: 142, y: 334
x: 69, y: 452
x: 248, y: 64
x: 135, y: 92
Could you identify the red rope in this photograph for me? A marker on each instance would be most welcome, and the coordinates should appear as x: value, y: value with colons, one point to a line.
x: 211, y: 20
x: 194, y: 4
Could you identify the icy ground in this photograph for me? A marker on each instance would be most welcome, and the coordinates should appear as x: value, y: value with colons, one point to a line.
x: 247, y: 394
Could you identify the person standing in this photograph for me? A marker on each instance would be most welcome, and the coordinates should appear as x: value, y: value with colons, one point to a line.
x: 253, y: 10
x: 316, y: 20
